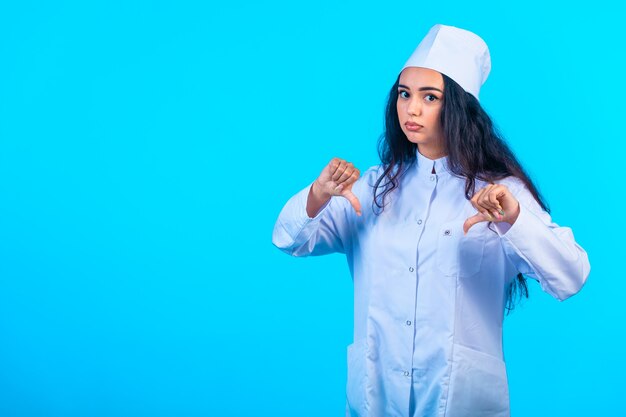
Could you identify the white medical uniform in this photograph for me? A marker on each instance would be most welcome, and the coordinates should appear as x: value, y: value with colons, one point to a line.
x: 429, y: 300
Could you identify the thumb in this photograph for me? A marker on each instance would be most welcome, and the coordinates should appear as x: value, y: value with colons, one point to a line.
x: 477, y: 218
x: 354, y: 201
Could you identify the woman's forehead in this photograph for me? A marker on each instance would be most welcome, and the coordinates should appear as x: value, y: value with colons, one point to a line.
x: 419, y: 77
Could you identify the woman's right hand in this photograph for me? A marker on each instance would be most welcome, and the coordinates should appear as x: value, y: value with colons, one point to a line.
x: 336, y: 179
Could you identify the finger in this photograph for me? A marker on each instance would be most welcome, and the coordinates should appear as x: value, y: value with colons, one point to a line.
x: 483, y: 200
x: 351, y: 180
x: 497, y: 192
x: 347, y: 173
x: 501, y: 192
x: 470, y: 221
x: 340, y: 170
x: 483, y: 210
x: 487, y: 210
x: 354, y: 177
x: 333, y: 165
x: 488, y: 214
x: 477, y: 202
x: 476, y: 198
x: 486, y: 204
x: 354, y: 201
x: 490, y: 198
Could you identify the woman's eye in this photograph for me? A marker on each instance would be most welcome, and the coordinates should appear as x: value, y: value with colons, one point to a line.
x: 430, y: 97
x: 402, y: 94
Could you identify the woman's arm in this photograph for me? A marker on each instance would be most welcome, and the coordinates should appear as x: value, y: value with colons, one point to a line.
x: 297, y: 234
x: 542, y: 249
x: 315, y: 221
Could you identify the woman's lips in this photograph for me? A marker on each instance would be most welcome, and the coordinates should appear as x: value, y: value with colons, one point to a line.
x: 413, y: 127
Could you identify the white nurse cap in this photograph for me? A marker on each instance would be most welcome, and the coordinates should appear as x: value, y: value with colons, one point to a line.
x: 458, y: 53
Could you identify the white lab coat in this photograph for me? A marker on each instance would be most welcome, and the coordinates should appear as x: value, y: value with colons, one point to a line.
x: 429, y: 300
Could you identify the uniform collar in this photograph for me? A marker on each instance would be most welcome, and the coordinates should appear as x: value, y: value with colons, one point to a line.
x: 425, y: 165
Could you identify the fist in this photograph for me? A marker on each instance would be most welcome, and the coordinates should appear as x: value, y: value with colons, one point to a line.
x: 495, y: 203
x: 336, y: 179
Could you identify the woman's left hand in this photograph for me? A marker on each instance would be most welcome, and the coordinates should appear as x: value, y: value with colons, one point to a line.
x: 495, y: 203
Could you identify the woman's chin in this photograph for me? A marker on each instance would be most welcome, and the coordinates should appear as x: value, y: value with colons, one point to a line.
x: 416, y: 138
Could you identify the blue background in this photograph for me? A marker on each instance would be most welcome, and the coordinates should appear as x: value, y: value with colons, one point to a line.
x: 147, y: 148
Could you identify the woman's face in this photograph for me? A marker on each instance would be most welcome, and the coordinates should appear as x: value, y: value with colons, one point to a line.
x: 420, y: 99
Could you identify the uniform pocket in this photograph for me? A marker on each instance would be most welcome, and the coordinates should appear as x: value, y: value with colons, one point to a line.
x: 459, y: 254
x: 478, y: 385
x: 355, y: 388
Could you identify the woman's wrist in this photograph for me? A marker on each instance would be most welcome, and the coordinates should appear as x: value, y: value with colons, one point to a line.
x: 515, y: 216
x: 317, y: 198
x: 318, y: 192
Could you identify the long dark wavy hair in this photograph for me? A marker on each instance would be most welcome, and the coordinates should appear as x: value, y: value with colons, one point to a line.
x: 475, y: 150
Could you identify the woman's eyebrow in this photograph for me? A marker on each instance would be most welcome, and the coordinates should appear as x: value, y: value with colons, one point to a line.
x: 421, y: 88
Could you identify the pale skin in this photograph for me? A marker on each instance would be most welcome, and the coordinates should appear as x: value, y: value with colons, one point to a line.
x: 420, y: 94
x: 337, y: 179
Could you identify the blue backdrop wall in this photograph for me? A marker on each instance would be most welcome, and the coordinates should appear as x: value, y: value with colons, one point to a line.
x: 146, y: 148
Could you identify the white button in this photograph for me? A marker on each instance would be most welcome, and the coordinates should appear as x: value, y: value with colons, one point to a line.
x: 432, y: 178
x: 408, y: 322
x: 419, y: 221
x: 411, y: 269
x: 407, y: 373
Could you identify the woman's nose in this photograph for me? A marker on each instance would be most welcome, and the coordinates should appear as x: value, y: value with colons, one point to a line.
x: 414, y: 108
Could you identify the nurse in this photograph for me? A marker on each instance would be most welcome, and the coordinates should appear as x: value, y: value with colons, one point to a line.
x: 439, y: 238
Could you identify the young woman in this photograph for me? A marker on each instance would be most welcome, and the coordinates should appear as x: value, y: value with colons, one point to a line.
x: 450, y: 226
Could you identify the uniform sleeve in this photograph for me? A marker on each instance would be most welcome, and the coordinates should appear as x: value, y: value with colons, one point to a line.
x: 297, y: 234
x: 544, y: 250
